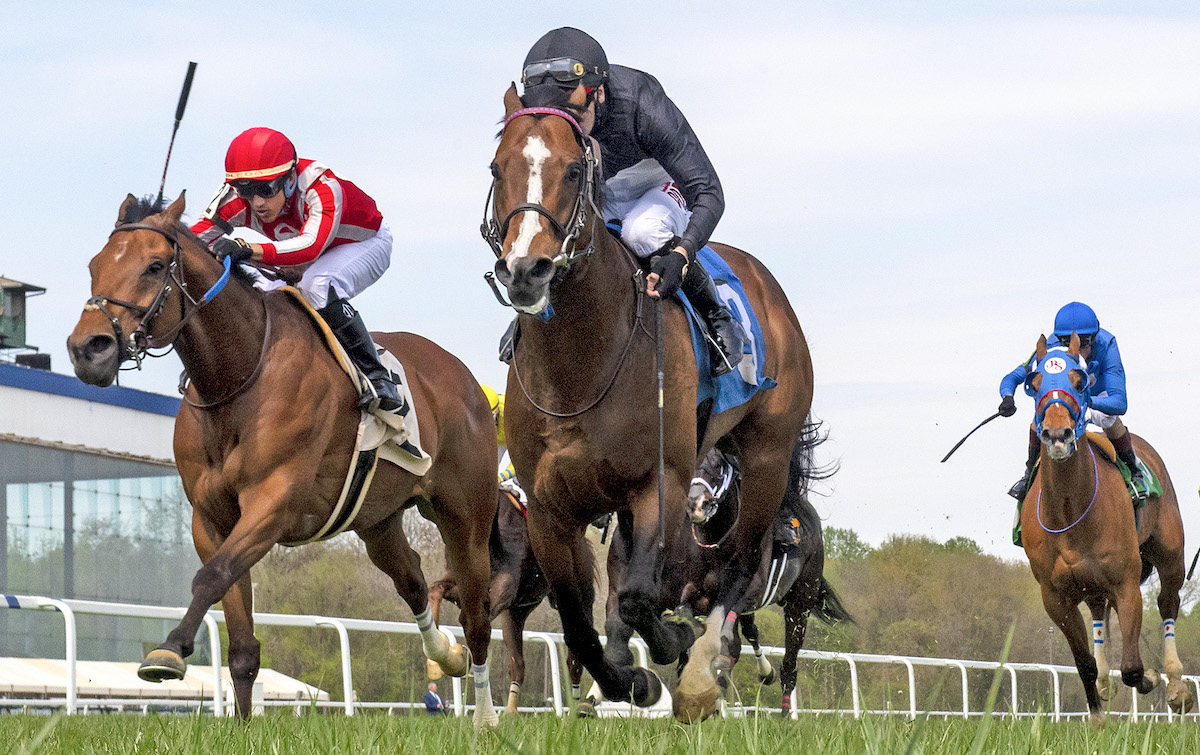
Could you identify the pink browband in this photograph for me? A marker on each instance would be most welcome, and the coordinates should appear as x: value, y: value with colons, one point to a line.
x: 545, y: 111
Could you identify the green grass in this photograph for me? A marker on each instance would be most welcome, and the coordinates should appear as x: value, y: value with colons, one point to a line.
x: 369, y: 734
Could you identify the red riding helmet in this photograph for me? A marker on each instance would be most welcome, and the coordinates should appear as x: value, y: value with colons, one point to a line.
x: 259, y: 154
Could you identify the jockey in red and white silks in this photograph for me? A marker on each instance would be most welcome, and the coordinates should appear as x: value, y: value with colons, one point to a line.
x: 327, y: 221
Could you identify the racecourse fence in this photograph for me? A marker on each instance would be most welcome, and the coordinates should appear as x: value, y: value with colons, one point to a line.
x: 218, y: 698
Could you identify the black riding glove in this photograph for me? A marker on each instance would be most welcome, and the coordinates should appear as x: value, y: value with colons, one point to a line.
x: 671, y: 266
x: 237, y: 250
x: 1008, y: 406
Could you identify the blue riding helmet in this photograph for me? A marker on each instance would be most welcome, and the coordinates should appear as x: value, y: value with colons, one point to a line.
x: 1056, y: 388
x: 1077, y: 317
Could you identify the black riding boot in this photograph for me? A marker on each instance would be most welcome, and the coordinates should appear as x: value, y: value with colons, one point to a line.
x: 700, y: 290
x: 508, y: 342
x: 352, y: 334
x: 1021, y: 487
x: 1140, y: 485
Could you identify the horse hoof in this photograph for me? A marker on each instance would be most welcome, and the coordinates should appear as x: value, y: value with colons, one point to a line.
x: 693, y: 707
x: 1104, y: 688
x: 1179, y: 697
x: 486, y: 719
x: 652, y: 689
x: 586, y: 708
x: 1150, y: 680
x: 162, y: 665
x: 1096, y: 719
x: 458, y: 661
x: 769, y: 679
x: 433, y: 671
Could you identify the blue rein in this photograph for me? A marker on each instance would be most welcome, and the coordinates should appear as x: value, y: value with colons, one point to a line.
x: 216, y: 287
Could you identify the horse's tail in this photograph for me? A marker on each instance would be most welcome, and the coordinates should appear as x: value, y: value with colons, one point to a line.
x: 803, y: 470
x: 829, y: 608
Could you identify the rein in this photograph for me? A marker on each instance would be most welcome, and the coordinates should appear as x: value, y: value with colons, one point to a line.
x: 1095, y: 494
x: 262, y: 358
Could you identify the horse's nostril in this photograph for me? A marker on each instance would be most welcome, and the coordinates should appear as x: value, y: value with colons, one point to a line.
x: 98, y: 346
x: 543, y: 269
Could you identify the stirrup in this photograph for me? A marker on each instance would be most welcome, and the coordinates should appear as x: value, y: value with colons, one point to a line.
x: 1019, y: 490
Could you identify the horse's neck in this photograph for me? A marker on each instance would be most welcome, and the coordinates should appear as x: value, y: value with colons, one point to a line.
x: 592, y: 321
x: 1068, y: 486
x: 221, y: 344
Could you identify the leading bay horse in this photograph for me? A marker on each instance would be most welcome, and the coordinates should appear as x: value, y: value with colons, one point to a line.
x: 264, y: 436
x: 1085, y: 544
x: 582, y: 420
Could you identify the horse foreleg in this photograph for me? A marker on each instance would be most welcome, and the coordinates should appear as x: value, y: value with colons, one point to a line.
x: 1067, y: 617
x: 1129, y: 614
x: 228, y: 563
x: 569, y: 568
x: 1099, y: 610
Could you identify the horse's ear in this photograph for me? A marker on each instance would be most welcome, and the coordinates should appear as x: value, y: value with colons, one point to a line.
x: 123, y: 210
x: 1041, y: 347
x: 174, y: 211
x: 1073, y: 349
x: 512, y: 100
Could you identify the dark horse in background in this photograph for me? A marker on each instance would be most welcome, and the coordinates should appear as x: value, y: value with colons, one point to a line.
x: 1086, y: 544
x: 582, y: 419
x: 517, y: 588
x: 794, y: 579
x: 265, y: 434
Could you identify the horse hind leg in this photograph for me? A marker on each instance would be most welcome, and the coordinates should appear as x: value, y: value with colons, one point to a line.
x: 763, y: 667
x: 1129, y: 614
x: 388, y: 548
x: 1171, y: 577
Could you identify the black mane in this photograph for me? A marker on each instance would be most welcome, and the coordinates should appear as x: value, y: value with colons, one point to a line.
x: 144, y: 207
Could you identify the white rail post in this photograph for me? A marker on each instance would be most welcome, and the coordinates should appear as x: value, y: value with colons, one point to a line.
x: 71, y: 642
x: 555, y: 674
x: 853, y: 684
x: 965, y: 699
x: 344, y: 642
x: 214, y: 650
x: 1012, y: 673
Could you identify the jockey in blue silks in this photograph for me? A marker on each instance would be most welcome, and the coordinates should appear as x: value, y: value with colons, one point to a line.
x: 1106, y: 385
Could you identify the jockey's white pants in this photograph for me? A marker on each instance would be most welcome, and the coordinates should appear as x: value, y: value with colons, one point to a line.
x: 651, y: 220
x: 349, y: 269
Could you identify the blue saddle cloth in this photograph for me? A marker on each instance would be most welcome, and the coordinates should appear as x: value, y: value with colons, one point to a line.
x: 737, y: 387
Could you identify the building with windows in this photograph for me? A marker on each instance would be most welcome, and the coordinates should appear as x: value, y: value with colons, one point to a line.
x: 91, y: 507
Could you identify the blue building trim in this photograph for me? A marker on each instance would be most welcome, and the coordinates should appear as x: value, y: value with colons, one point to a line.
x: 17, y: 376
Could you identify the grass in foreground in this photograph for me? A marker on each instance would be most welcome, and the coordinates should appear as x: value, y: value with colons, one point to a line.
x: 371, y: 734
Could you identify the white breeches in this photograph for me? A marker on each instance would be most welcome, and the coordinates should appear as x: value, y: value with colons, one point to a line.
x: 348, y: 268
x: 649, y: 221
x: 1100, y: 419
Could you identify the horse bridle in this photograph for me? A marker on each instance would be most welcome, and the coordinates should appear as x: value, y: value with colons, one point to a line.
x: 495, y: 230
x: 137, y: 346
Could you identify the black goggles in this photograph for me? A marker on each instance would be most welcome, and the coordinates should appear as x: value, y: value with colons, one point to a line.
x: 247, y: 188
x: 1085, y: 339
x: 562, y: 70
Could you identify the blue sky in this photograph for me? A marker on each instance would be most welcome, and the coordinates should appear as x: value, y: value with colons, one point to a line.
x: 928, y: 181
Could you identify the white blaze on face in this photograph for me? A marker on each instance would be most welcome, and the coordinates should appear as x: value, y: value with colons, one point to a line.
x: 536, y: 152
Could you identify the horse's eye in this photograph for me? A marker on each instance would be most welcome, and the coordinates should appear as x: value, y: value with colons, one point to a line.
x: 574, y: 171
x: 155, y: 267
x: 495, y: 171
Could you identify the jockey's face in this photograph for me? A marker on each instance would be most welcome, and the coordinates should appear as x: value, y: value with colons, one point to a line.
x: 268, y: 209
x: 585, y: 116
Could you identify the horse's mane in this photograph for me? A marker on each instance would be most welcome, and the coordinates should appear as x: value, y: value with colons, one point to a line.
x: 145, y: 206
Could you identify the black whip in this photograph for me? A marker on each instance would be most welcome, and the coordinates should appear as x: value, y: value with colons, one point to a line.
x: 183, y: 96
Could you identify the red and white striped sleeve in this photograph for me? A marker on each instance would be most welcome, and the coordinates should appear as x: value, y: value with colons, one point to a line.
x: 225, y: 209
x: 325, y: 202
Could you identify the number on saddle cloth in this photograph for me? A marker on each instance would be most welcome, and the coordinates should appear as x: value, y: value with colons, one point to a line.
x: 737, y: 387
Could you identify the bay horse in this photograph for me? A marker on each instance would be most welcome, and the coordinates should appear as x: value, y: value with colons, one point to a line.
x: 1084, y: 542
x: 265, y: 434
x: 517, y: 588
x: 792, y: 579
x: 582, y: 409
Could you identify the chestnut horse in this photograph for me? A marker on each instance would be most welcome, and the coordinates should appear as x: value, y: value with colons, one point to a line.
x: 264, y: 436
x: 583, y: 408
x: 1084, y: 542
x: 517, y: 588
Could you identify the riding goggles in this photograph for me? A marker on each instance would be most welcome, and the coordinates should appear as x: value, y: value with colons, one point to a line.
x: 562, y: 70
x: 1085, y: 339
x: 247, y: 188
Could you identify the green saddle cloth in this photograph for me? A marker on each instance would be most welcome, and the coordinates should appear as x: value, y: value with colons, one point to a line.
x: 1152, y: 488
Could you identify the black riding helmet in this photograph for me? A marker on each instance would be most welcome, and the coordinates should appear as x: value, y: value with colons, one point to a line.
x: 567, y: 57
